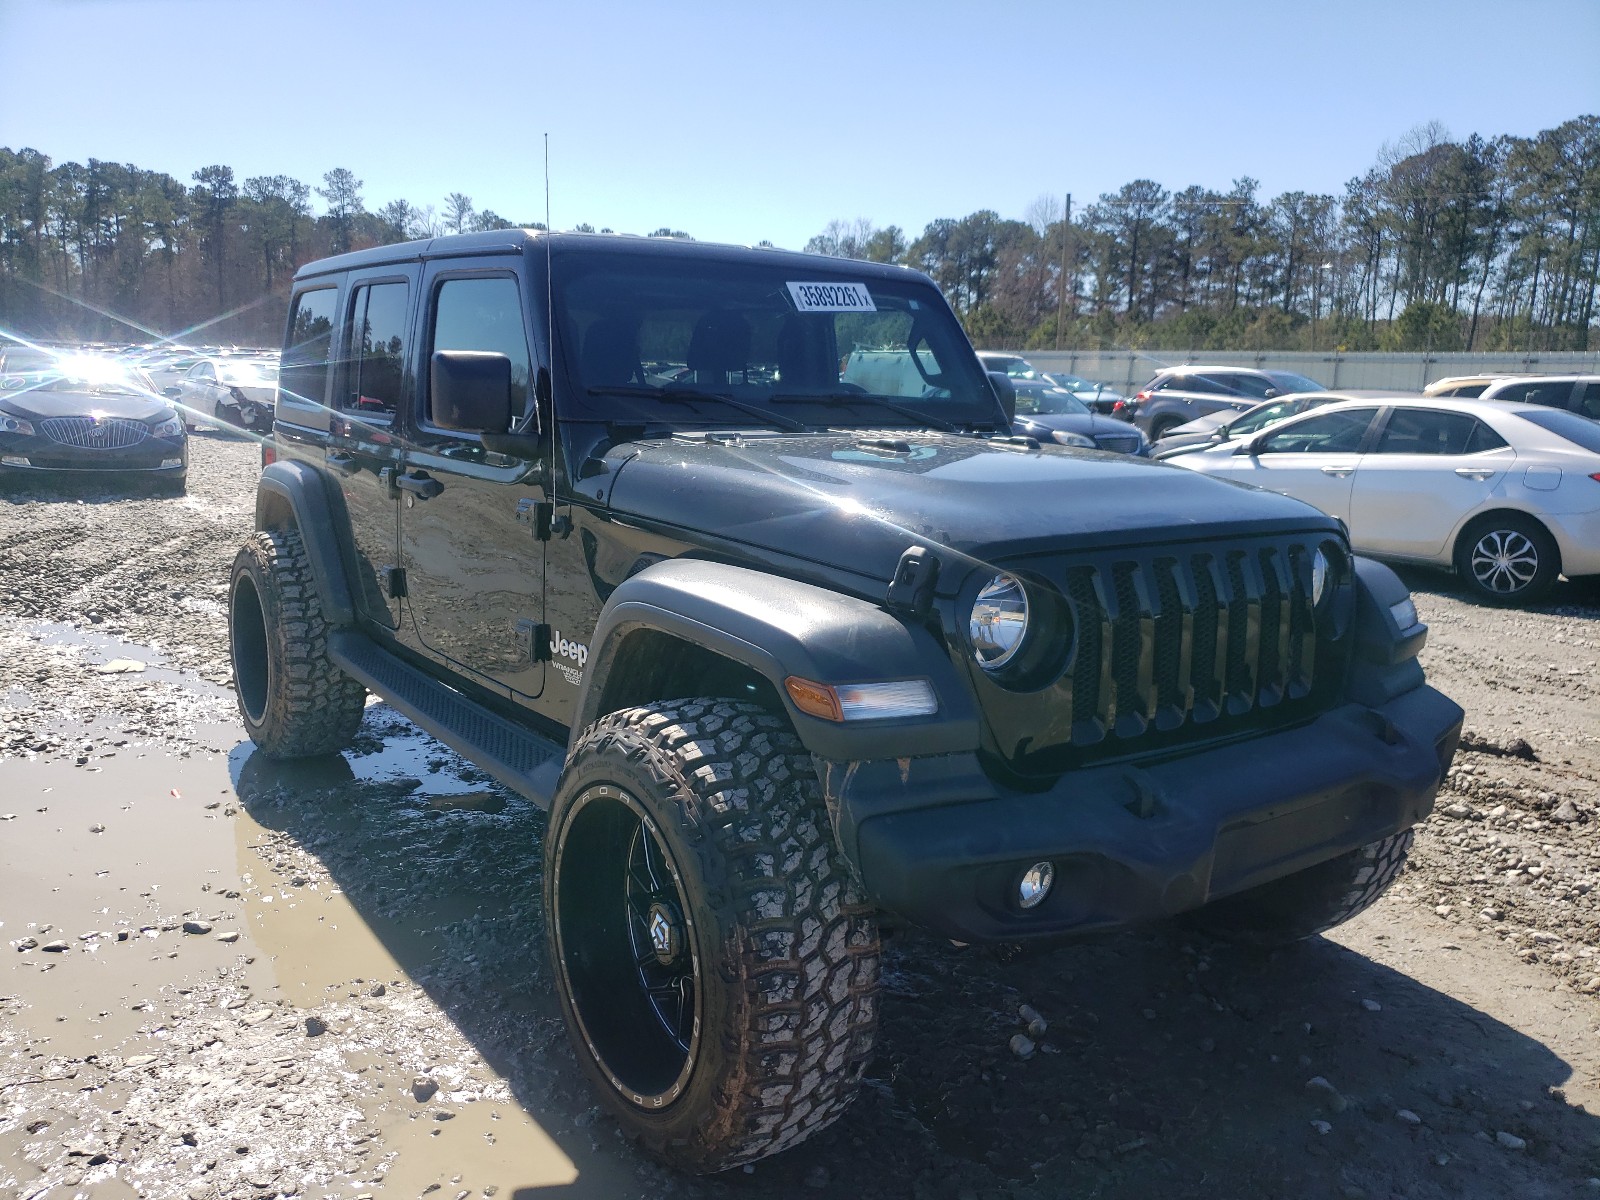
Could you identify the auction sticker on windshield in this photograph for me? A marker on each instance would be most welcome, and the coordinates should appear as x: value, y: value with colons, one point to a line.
x: 832, y: 297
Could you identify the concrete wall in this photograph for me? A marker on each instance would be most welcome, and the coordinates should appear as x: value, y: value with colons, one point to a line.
x: 1127, y: 369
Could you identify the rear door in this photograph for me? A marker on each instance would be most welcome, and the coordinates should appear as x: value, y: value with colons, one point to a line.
x: 363, y: 452
x: 1312, y: 458
x: 474, y: 567
x: 1428, y: 469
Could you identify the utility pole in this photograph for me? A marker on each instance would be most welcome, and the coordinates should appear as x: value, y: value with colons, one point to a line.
x: 1061, y: 287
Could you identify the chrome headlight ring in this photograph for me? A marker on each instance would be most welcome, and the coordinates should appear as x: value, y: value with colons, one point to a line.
x: 997, y: 625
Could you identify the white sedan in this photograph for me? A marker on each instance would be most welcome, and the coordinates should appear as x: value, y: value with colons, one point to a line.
x: 1507, y: 494
x: 228, y: 390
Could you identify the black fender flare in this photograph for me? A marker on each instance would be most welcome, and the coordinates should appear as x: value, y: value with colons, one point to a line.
x: 300, y: 488
x: 780, y: 627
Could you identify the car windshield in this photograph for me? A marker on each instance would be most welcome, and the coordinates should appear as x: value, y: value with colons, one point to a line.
x: 100, y: 377
x: 1580, y: 431
x: 666, y: 339
x: 1261, y: 416
x: 1288, y: 381
x: 1049, y: 402
x: 248, y: 372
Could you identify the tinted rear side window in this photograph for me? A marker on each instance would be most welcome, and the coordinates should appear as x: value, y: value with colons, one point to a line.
x: 306, y: 349
x: 1580, y: 431
x: 378, y: 332
x: 1428, y: 431
x: 1589, y: 405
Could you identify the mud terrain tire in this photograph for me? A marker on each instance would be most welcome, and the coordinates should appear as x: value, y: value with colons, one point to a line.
x: 1307, y: 902
x: 717, y: 969
x: 295, y: 702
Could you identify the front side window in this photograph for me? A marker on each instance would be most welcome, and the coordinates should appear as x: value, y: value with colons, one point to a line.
x: 1554, y: 394
x: 1326, y: 433
x: 666, y: 339
x: 1428, y: 431
x: 377, y: 344
x: 485, y: 313
x: 306, y: 350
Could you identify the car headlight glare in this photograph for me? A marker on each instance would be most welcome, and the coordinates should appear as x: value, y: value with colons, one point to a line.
x: 9, y: 424
x: 1066, y: 437
x: 999, y: 622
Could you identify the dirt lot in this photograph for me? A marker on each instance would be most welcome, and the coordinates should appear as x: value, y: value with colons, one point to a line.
x: 224, y: 978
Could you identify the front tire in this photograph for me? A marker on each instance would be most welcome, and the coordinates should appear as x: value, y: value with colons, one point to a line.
x: 1308, y: 902
x: 294, y: 699
x: 1507, y: 559
x: 716, y: 967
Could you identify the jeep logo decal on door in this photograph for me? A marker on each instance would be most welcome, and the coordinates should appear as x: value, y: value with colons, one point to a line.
x: 576, y: 651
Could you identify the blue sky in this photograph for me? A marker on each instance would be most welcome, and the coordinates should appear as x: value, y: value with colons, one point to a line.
x: 749, y: 120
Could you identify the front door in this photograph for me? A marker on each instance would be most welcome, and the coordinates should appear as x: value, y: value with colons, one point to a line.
x: 1313, y: 459
x: 373, y: 381
x: 469, y: 517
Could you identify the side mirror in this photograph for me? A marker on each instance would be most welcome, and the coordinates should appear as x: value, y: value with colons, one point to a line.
x: 471, y: 390
x: 172, y: 393
x: 1220, y: 434
x: 1272, y: 393
x: 1254, y: 446
x: 1005, y: 391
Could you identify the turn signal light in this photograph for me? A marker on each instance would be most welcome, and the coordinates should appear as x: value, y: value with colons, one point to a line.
x: 894, y: 700
x: 269, y: 455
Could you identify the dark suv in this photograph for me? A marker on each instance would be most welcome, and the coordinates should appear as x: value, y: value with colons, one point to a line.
x: 729, y: 559
x: 1177, y: 395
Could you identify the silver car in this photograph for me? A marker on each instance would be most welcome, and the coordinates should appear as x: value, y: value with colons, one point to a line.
x: 1507, y: 494
x: 1177, y: 395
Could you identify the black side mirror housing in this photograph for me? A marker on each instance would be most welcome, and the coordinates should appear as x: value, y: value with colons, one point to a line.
x: 1006, y: 392
x: 471, y: 391
x: 172, y: 393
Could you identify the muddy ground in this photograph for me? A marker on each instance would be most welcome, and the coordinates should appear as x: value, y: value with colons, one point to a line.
x: 225, y: 978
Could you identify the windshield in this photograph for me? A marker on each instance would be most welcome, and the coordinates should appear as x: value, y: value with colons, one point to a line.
x: 640, y: 337
x: 250, y: 372
x: 1580, y: 431
x: 100, y: 377
x: 1288, y: 381
x: 1051, y: 402
x: 1263, y: 415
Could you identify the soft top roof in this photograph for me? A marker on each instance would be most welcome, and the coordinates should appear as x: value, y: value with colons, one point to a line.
x: 518, y: 241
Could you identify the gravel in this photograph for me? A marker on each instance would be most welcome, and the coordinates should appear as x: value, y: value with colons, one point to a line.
x: 381, y: 954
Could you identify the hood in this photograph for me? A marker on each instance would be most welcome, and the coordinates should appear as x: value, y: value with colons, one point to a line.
x: 1206, y: 424
x: 43, y: 404
x: 1093, y: 425
x: 860, y: 501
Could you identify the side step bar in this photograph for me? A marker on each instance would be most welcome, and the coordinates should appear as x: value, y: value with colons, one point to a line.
x: 524, y: 761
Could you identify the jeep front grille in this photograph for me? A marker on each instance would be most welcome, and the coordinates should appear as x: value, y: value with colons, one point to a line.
x: 1178, y: 643
x: 87, y: 433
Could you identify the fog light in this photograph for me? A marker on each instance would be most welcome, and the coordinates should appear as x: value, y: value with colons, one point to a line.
x: 14, y: 460
x: 171, y: 462
x: 1035, y: 884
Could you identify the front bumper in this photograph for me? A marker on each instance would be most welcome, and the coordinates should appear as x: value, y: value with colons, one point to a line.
x: 38, y: 455
x: 940, y: 844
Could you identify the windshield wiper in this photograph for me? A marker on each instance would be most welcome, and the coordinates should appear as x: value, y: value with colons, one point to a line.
x: 843, y: 399
x: 688, y: 395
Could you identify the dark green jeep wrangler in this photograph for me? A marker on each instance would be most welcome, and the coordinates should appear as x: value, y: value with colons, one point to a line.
x: 791, y: 647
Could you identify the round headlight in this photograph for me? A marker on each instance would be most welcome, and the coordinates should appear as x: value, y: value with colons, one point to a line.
x: 999, y: 622
x: 1319, y: 577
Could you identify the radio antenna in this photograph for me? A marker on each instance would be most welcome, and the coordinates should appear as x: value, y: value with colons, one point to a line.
x: 550, y: 318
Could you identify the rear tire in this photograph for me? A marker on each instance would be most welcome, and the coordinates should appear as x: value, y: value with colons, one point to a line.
x: 1507, y: 559
x: 1308, y: 902
x: 295, y: 701
x: 1160, y: 429
x: 716, y: 967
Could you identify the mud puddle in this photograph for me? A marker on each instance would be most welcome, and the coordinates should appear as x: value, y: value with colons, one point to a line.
x: 193, y: 1001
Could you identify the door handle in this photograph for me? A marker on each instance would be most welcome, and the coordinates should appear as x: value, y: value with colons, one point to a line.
x: 1339, y: 471
x: 344, y: 464
x: 1478, y: 473
x: 421, y: 485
